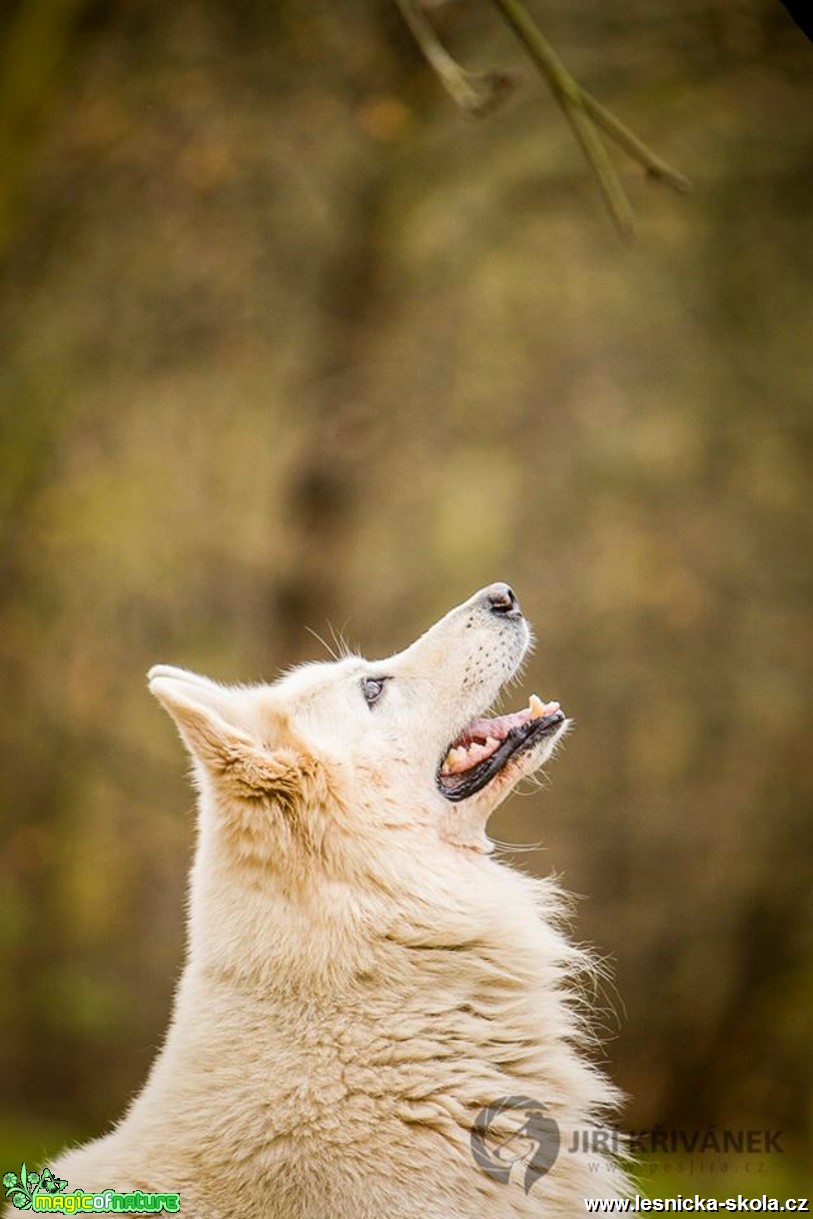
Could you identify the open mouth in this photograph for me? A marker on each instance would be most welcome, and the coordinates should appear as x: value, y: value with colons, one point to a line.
x: 486, y: 745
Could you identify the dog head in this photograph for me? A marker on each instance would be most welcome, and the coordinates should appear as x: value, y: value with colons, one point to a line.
x: 337, y: 757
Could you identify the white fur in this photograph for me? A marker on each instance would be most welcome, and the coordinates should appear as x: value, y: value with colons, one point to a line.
x: 362, y: 976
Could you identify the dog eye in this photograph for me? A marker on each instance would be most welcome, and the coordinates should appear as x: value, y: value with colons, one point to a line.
x: 372, y: 688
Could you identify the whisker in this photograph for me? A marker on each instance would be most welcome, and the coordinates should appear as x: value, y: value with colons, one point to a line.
x: 331, y: 651
x: 337, y: 646
x: 340, y: 640
x: 517, y: 848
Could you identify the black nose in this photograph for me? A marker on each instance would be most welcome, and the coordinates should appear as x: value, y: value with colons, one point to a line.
x: 501, y: 600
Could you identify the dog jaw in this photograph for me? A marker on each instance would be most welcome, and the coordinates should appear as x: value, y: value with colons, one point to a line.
x: 464, y: 824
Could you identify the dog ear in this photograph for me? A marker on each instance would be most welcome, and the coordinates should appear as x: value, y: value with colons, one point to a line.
x: 207, y: 717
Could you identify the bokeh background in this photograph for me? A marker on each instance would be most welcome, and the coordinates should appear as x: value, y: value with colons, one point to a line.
x: 289, y: 342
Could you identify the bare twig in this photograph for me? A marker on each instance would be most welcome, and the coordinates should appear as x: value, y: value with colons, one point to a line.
x: 475, y: 92
x: 654, y: 165
x: 584, y: 113
x: 478, y: 92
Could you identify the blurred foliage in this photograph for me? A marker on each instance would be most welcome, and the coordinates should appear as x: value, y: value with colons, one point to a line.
x: 288, y: 342
x: 712, y: 1177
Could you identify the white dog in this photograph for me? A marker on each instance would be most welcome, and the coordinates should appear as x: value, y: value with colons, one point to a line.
x: 364, y: 979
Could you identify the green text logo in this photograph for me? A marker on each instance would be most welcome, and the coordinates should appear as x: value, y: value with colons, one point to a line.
x: 42, y: 1191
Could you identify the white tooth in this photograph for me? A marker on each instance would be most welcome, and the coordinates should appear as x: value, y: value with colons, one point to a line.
x: 459, y: 757
x: 491, y: 743
x: 537, y: 707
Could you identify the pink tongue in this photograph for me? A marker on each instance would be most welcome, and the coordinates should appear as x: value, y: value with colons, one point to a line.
x: 498, y: 727
x: 471, y: 748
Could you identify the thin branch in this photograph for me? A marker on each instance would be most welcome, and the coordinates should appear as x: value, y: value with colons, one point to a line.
x: 569, y: 94
x: 475, y: 92
x: 615, y: 196
x: 654, y: 165
x: 584, y: 112
x: 479, y: 92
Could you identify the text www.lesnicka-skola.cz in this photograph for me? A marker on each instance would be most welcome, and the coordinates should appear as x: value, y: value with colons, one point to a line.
x: 695, y: 1202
